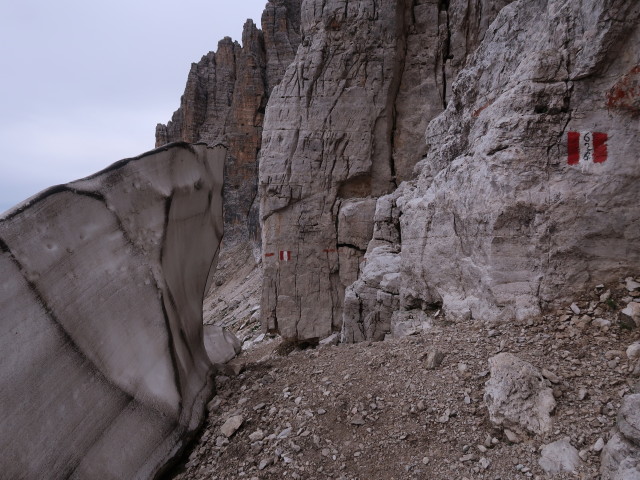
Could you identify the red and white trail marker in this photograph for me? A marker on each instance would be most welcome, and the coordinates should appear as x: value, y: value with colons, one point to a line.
x: 586, y: 147
x: 285, y: 255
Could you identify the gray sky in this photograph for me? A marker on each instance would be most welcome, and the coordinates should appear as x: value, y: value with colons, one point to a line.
x: 83, y: 83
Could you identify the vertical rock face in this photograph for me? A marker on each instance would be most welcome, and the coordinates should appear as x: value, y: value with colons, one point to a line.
x: 529, y: 190
x: 344, y: 127
x: 224, y: 103
x: 104, y: 372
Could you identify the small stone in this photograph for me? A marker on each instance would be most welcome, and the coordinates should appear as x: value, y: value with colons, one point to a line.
x: 549, y: 375
x: 256, y: 436
x: 512, y: 436
x: 284, y: 433
x: 332, y: 339
x: 425, y: 460
x: 632, y: 284
x: 444, y: 418
x: 605, y: 296
x: 583, y: 322
x: 599, y: 445
x: 601, y: 323
x: 633, y: 351
x: 221, y: 441
x: 613, y: 354
x: 434, y: 359
x: 214, y: 404
x: 468, y: 458
x: 485, y: 463
x: 575, y: 309
x: 629, y: 317
x: 482, y: 449
x: 357, y: 420
x: 232, y: 425
x: 264, y: 463
x: 321, y: 411
x: 582, y: 394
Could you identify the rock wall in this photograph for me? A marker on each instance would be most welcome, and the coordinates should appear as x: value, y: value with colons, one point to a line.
x: 345, y: 127
x: 224, y: 102
x: 528, y: 194
x: 104, y: 372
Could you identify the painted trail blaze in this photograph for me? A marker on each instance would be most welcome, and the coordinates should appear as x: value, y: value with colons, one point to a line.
x: 285, y: 255
x: 586, y: 147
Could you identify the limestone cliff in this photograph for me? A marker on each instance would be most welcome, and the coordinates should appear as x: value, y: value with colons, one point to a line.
x: 345, y: 127
x: 529, y: 191
x: 104, y: 373
x: 224, y: 102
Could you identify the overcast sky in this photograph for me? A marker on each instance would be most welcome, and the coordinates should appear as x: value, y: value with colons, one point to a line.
x: 83, y: 83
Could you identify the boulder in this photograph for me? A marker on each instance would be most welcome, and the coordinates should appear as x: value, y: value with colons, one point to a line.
x: 221, y: 345
x: 101, y: 317
x: 630, y: 315
x: 620, y: 458
x: 517, y: 396
x: 560, y: 456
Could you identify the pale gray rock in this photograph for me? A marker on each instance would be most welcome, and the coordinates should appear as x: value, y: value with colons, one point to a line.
x: 101, y: 317
x: 232, y: 425
x: 345, y: 126
x: 631, y: 284
x: 633, y: 351
x: 221, y: 345
x: 434, y: 359
x: 630, y: 315
x: 620, y: 459
x: 560, y: 456
x: 628, y: 421
x: 381, y: 267
x: 496, y: 226
x: 332, y: 339
x: 517, y: 397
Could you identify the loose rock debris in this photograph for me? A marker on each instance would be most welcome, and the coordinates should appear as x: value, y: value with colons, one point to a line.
x: 385, y: 411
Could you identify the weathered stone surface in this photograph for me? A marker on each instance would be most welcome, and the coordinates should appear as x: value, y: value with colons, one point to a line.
x: 620, y: 458
x: 221, y: 345
x: 345, y: 126
x: 101, y: 323
x: 501, y: 223
x: 517, y: 397
x: 630, y: 315
x: 560, y: 456
x: 224, y: 102
x: 629, y: 418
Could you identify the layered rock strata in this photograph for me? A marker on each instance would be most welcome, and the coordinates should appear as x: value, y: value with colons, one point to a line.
x: 529, y: 189
x: 344, y: 127
x: 224, y: 102
x: 104, y: 372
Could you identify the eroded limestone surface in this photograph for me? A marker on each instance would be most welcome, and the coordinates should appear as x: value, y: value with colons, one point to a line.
x: 529, y: 190
x: 344, y: 127
x: 104, y: 374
